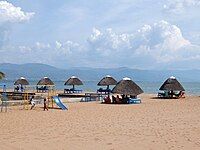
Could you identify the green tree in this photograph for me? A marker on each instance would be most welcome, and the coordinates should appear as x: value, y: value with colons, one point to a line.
x: 2, y: 75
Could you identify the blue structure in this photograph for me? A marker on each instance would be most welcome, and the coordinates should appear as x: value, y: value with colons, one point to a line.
x: 59, y: 103
x: 4, y: 97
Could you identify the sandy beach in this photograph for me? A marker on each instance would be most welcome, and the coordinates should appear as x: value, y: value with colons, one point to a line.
x: 153, y: 125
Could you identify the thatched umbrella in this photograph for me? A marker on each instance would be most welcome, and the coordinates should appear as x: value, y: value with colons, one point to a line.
x: 107, y: 81
x: 172, y: 84
x: 127, y: 87
x: 2, y: 75
x: 45, y: 81
x: 21, y: 81
x: 73, y: 81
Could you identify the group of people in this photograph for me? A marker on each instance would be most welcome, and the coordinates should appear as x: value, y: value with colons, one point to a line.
x: 177, y: 95
x: 19, y: 88
x: 41, y: 89
x: 101, y: 90
x: 32, y: 102
x: 117, y: 100
x: 172, y: 94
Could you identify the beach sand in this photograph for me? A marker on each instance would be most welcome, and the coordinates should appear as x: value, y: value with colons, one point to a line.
x: 153, y: 125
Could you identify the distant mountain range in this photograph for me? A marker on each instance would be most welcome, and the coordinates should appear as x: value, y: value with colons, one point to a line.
x: 35, y: 71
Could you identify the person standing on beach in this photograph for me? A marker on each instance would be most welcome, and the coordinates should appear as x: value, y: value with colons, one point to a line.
x: 22, y: 88
x: 45, y: 104
x: 32, y: 102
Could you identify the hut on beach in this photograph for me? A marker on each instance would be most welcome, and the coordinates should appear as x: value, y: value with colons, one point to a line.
x: 73, y: 81
x: 128, y: 90
x: 106, y: 81
x: 45, y: 81
x: 127, y: 87
x: 171, y: 87
x: 43, y: 84
x: 21, y: 81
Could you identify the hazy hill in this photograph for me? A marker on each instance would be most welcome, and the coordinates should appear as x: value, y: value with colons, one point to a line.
x: 36, y: 71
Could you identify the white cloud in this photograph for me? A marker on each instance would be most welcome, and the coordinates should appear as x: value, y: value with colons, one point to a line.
x: 178, y: 6
x: 160, y: 40
x: 58, y: 45
x: 41, y: 46
x: 68, y: 47
x: 149, y: 47
x: 194, y: 36
x: 159, y: 43
x: 10, y: 13
x: 58, y: 54
x: 108, y: 42
x: 4, y: 34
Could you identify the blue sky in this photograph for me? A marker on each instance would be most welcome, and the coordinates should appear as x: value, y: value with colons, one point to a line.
x: 144, y: 34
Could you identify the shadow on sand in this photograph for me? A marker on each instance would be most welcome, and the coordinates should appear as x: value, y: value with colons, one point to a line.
x: 163, y: 98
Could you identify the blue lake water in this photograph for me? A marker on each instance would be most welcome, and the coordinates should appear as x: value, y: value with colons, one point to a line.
x: 148, y: 87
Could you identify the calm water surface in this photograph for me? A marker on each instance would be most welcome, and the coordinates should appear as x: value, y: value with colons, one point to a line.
x: 148, y: 87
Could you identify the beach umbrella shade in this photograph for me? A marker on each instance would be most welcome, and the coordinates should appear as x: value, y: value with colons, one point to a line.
x: 73, y: 81
x: 106, y: 81
x: 21, y: 81
x: 172, y: 84
x: 45, y: 81
x: 2, y: 75
x: 127, y: 87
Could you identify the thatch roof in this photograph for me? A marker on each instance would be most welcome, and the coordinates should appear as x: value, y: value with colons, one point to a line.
x: 2, y: 75
x: 107, y: 80
x: 45, y: 81
x: 73, y: 81
x: 21, y: 81
x: 127, y: 87
x: 172, y: 84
